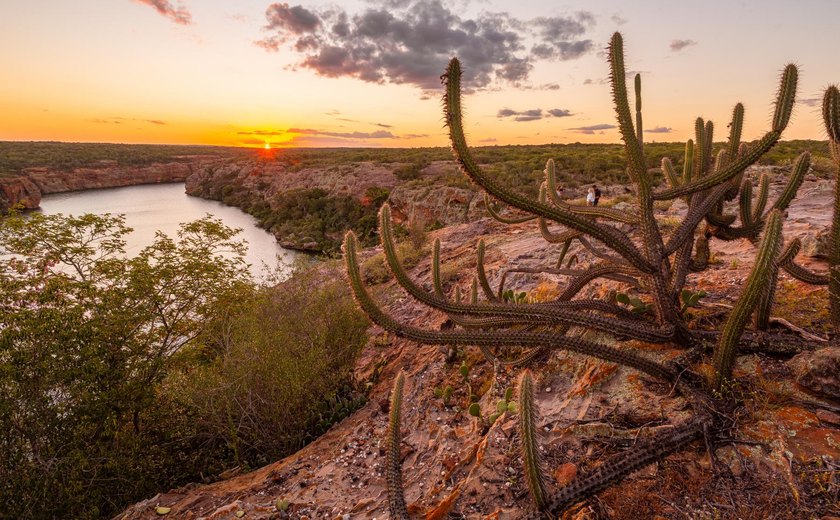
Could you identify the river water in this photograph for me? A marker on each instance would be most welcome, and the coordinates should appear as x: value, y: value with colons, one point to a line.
x: 153, y: 207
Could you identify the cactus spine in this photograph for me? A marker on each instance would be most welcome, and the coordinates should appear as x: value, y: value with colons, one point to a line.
x: 530, y: 448
x: 393, y: 463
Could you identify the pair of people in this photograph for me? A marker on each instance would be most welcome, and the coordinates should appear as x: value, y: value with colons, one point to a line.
x: 593, y: 196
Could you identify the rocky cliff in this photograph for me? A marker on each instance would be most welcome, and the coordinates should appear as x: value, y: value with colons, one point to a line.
x: 31, y: 184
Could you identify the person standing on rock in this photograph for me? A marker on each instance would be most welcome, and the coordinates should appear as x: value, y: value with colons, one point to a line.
x: 590, y: 196
x: 597, y: 195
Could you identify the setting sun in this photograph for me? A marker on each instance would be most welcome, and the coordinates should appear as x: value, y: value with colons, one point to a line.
x: 267, y: 146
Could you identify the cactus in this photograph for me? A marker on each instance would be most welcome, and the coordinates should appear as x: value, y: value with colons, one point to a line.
x: 656, y: 265
x: 393, y: 463
x: 756, y: 287
x: 530, y: 448
x: 831, y: 119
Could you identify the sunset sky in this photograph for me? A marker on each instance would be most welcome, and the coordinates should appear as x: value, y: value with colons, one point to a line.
x: 365, y: 73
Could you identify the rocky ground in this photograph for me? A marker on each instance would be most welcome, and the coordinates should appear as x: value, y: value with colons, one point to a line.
x: 784, y: 463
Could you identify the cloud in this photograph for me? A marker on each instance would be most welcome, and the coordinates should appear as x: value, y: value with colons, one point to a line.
x: 618, y: 20
x: 589, y: 130
x: 560, y: 112
x: 411, y: 41
x: 379, y: 134
x: 118, y: 120
x: 179, y: 15
x: 660, y: 130
x: 532, y: 115
x: 678, y: 45
x: 488, y: 140
x: 811, y: 102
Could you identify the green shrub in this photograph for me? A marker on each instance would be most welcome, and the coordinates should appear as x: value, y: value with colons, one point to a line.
x: 285, y: 371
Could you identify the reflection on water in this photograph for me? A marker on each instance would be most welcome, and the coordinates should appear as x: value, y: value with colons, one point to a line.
x: 163, y: 207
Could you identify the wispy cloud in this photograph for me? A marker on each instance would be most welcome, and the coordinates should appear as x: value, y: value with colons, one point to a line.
x: 810, y: 102
x: 589, y: 130
x: 119, y: 120
x: 179, y: 14
x: 678, y: 45
x: 533, y: 114
x: 411, y: 41
x: 618, y: 20
x: 660, y: 130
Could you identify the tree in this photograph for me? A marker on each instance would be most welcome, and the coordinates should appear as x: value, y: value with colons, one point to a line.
x: 87, y: 334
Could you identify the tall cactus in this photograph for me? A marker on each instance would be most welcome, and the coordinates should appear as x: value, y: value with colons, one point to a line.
x: 393, y: 463
x: 530, y: 448
x: 756, y: 287
x: 831, y: 119
x: 655, y: 262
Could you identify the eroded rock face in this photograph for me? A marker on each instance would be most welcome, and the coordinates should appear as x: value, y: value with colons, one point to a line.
x: 18, y: 191
x: 819, y: 371
x: 28, y: 187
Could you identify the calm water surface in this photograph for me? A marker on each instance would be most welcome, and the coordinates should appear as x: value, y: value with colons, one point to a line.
x: 163, y: 207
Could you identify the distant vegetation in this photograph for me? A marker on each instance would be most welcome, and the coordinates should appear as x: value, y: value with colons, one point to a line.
x: 17, y: 155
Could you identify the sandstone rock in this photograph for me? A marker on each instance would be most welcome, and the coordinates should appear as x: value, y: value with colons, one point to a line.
x: 818, y: 371
x: 817, y: 244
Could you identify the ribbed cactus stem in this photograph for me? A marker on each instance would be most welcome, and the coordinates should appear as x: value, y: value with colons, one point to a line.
x: 393, y: 462
x: 482, y: 274
x: 436, y: 281
x: 786, y: 97
x: 699, y: 139
x: 708, y: 141
x: 530, y: 447
x: 638, y: 167
x: 637, y: 88
x: 756, y: 286
x: 688, y: 163
x: 831, y: 120
x: 670, y: 172
x: 745, y: 202
x: 761, y: 200
x: 831, y: 112
x: 735, y: 128
x: 797, y: 175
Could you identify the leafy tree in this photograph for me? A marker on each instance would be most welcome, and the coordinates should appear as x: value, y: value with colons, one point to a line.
x: 86, y: 337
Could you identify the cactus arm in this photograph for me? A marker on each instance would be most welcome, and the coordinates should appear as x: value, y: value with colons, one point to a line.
x: 474, y: 291
x: 700, y: 260
x: 786, y: 262
x: 436, y: 281
x: 805, y: 275
x: 761, y: 201
x: 482, y: 274
x: 530, y: 448
x: 637, y: 162
x: 501, y: 339
x: 540, y: 312
x: 577, y: 284
x: 549, y: 187
x: 688, y: 163
x: 504, y: 220
x: 619, y: 466
x: 755, y: 287
x: 670, y: 173
x: 831, y: 119
x: 696, y: 213
x: 745, y: 202
x: 393, y: 463
x: 733, y: 169
x: 637, y: 89
x: 736, y: 126
x: 609, y: 235
x: 563, y: 250
x: 797, y: 175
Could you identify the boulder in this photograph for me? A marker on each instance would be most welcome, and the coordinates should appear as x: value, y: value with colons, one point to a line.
x: 816, y: 244
x: 818, y: 371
